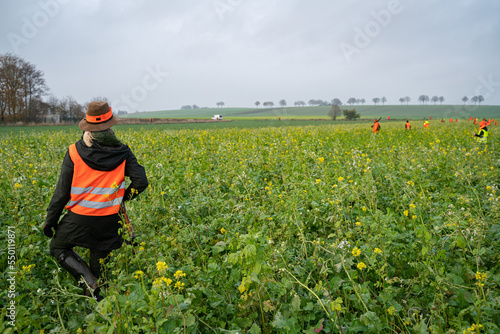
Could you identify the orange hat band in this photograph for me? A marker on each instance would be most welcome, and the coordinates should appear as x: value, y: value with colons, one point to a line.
x: 100, y: 118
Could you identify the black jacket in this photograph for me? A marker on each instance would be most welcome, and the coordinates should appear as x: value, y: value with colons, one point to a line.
x: 99, y: 233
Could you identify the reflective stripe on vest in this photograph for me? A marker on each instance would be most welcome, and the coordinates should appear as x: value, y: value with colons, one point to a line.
x: 484, y: 138
x: 94, y: 192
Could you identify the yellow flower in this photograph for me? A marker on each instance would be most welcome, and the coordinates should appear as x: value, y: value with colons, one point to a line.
x: 412, y: 206
x: 488, y: 188
x: 321, y: 159
x: 391, y: 310
x: 28, y: 268
x: 178, y: 274
x: 242, y: 287
x: 161, y: 266
x: 377, y: 250
x: 222, y: 230
x: 179, y: 285
x: 356, y: 251
x: 481, y: 277
x: 318, y: 181
x: 363, y: 208
x: 473, y: 328
x: 405, y: 213
x: 138, y: 273
x: 361, y: 266
x: 411, y: 183
x: 340, y: 178
x: 114, y: 185
x: 158, y: 281
x: 357, y: 223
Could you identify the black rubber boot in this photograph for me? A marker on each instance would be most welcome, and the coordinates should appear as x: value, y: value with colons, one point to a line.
x: 78, y: 268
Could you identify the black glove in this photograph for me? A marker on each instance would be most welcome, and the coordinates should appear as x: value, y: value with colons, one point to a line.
x: 47, y: 230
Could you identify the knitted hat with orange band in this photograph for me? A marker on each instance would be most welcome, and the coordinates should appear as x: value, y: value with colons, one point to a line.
x: 98, y: 117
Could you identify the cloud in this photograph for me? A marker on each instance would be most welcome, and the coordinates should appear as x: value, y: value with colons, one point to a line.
x: 261, y: 50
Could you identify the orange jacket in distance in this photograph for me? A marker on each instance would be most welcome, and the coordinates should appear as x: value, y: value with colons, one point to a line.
x: 94, y: 192
x: 376, y: 127
x: 408, y: 126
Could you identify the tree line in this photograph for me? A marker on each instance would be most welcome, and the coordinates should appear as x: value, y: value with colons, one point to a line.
x: 22, y: 88
x: 423, y: 99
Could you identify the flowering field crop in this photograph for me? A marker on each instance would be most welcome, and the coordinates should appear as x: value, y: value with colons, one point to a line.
x: 314, y: 229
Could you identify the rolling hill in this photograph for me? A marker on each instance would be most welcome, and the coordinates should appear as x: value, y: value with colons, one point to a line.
x: 315, y: 112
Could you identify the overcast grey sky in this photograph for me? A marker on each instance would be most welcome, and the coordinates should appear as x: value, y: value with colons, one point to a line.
x: 153, y: 55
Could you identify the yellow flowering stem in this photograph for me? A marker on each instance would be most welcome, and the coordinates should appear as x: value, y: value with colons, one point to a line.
x: 178, y: 307
x: 327, y: 287
x: 380, y: 233
x: 307, y: 288
x: 354, y: 287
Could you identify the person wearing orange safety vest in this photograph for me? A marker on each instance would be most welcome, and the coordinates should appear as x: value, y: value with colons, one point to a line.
x: 376, y: 126
x: 482, y: 135
x: 484, y: 122
x: 91, y: 188
x: 408, y: 125
x: 426, y: 124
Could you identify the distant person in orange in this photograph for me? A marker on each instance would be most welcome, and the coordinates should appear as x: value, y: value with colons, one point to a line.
x: 430, y: 117
x: 442, y: 120
x: 408, y: 125
x: 475, y: 120
x: 470, y: 118
x: 451, y: 120
x: 426, y: 124
x: 496, y: 123
x: 483, y: 123
x: 376, y: 126
x: 388, y: 118
x: 456, y: 120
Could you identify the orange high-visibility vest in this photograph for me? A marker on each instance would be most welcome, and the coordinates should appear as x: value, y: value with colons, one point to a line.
x: 375, y: 127
x: 408, y: 126
x: 95, y: 192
